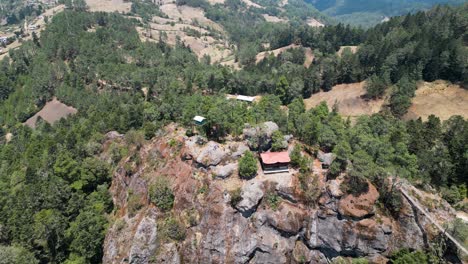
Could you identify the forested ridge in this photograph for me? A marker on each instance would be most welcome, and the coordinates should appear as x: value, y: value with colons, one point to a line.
x: 54, y: 200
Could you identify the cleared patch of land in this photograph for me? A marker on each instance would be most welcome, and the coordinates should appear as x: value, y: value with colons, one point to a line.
x: 52, y: 112
x: 314, y: 22
x: 109, y: 6
x: 274, y: 19
x: 348, y: 98
x: 440, y: 98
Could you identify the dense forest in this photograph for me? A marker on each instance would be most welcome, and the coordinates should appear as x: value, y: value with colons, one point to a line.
x: 54, y: 200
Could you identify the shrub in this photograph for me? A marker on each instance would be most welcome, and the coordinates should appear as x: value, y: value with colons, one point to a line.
x: 134, y: 204
x: 407, y: 257
x: 235, y: 197
x: 278, y: 141
x: 161, y: 194
x: 272, y: 200
x: 247, y: 166
x: 173, y: 229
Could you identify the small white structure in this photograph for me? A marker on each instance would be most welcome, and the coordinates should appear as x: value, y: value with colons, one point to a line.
x: 244, y: 98
x: 199, y: 120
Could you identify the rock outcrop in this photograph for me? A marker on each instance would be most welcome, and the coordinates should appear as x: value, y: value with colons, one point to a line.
x: 204, y: 180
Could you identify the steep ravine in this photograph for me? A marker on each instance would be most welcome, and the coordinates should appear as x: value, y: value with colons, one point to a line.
x: 253, y: 232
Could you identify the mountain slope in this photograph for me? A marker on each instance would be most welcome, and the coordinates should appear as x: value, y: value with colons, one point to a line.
x: 367, y: 13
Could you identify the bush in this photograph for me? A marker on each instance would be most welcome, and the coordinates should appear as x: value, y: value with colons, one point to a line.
x: 173, y: 229
x: 235, y: 197
x: 161, y: 194
x: 278, y: 141
x: 134, y: 204
x: 16, y: 255
x: 272, y: 200
x: 404, y: 256
x: 248, y: 166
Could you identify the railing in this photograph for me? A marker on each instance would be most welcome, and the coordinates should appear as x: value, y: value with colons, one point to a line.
x: 433, y: 221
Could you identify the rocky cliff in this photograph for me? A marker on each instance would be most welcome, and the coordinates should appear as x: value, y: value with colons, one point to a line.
x: 223, y: 219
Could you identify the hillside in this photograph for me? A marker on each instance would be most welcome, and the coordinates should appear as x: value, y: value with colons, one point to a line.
x: 149, y: 150
x: 368, y: 13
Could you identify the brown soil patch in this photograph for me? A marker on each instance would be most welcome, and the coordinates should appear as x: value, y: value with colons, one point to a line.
x: 348, y: 98
x: 51, y: 112
x: 440, y: 98
x: 109, y: 6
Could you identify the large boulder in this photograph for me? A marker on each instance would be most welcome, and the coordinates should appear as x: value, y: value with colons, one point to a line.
x: 288, y: 219
x: 224, y: 171
x: 251, y: 195
x: 209, y: 154
x: 260, y: 137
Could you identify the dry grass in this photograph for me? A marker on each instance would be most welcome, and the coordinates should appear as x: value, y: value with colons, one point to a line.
x: 314, y: 23
x: 109, y: 6
x: 348, y: 98
x: 439, y: 98
x: 51, y: 112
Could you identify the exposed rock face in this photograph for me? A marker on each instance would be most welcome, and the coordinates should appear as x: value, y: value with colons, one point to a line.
x: 251, y: 195
x: 144, y: 241
x: 252, y: 232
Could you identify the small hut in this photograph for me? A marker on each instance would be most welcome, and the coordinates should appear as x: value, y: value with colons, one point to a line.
x: 275, y: 162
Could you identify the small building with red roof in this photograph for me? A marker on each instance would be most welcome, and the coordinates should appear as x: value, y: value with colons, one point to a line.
x: 273, y: 162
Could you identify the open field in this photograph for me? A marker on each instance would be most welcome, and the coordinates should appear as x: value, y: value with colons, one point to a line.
x: 439, y: 98
x: 109, y: 6
x: 53, y: 111
x: 348, y: 98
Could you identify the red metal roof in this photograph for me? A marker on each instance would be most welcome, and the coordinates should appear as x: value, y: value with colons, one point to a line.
x: 275, y: 157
